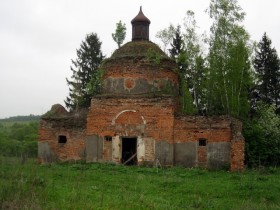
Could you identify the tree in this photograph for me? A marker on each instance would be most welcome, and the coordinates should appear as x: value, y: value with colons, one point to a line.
x: 120, y: 33
x: 85, y: 67
x: 262, y: 136
x: 19, y: 139
x: 94, y: 85
x: 177, y: 45
x: 186, y: 50
x: 195, y: 72
x: 177, y: 50
x: 166, y: 36
x: 229, y: 65
x: 178, y: 53
x: 267, y: 68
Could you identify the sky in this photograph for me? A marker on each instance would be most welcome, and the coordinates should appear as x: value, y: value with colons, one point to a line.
x: 38, y: 39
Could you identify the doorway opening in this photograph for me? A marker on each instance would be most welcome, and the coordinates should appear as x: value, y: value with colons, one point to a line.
x: 129, y: 151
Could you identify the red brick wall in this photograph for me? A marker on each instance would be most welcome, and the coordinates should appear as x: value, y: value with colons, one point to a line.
x: 148, y: 117
x: 151, y: 118
x: 191, y: 128
x: 73, y: 149
x: 202, y: 156
x: 214, y: 129
x: 237, y: 147
x: 237, y: 156
x: 132, y: 71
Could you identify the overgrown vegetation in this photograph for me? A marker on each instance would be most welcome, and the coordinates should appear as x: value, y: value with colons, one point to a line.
x: 19, y: 139
x: 85, y: 68
x: 262, y: 134
x: 104, y: 186
x: 137, y: 49
x: 226, y: 74
x: 267, y: 75
x: 120, y: 33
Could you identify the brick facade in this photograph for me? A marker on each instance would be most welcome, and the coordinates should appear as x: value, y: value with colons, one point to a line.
x: 135, y: 119
x: 149, y: 117
x: 65, y: 126
x: 153, y: 122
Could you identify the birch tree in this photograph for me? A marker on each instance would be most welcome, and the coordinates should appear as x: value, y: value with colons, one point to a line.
x: 229, y: 64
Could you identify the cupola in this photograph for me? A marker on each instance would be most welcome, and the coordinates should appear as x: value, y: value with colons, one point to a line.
x: 132, y: 71
x: 140, y: 27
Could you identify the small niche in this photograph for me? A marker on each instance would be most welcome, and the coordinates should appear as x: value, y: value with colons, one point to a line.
x: 62, y: 139
x: 108, y: 138
x: 202, y: 142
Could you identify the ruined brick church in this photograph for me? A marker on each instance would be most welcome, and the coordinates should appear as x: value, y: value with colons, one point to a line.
x: 136, y: 119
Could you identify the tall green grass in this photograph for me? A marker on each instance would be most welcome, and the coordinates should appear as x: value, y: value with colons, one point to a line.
x: 105, y: 186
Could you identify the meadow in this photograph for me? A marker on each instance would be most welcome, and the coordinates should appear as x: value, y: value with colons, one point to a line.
x: 80, y: 185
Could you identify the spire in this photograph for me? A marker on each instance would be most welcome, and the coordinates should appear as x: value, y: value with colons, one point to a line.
x: 140, y: 27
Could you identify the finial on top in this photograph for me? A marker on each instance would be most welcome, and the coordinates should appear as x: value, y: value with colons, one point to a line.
x: 140, y: 27
x: 141, y: 17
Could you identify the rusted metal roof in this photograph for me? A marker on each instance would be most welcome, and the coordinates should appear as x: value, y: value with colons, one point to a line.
x: 140, y: 17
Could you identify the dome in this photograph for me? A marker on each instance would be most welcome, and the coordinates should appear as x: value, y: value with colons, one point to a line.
x: 139, y: 68
x: 136, y: 49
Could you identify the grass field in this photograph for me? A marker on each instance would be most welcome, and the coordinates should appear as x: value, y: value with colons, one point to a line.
x: 105, y: 186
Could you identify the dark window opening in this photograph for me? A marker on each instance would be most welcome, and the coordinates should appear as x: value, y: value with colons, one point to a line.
x: 62, y: 139
x: 129, y: 151
x: 108, y: 138
x: 202, y: 142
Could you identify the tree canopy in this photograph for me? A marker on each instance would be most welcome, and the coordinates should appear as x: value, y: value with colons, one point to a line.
x: 85, y: 68
x: 229, y: 75
x: 120, y: 33
x: 267, y: 69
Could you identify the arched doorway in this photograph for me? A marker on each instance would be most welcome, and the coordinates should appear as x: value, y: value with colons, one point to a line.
x: 127, y: 146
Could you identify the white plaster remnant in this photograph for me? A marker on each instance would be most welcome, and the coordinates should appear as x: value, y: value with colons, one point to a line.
x: 116, y: 149
x: 144, y: 121
x: 140, y: 149
x: 121, y: 112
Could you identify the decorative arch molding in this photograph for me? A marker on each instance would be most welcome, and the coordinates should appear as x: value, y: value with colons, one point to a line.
x: 124, y: 111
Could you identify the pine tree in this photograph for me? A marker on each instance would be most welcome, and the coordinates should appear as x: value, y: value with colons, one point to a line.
x: 178, y: 53
x: 85, y: 67
x: 177, y: 50
x: 177, y: 45
x: 267, y: 67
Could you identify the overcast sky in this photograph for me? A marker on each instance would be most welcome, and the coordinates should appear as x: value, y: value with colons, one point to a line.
x: 38, y: 39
